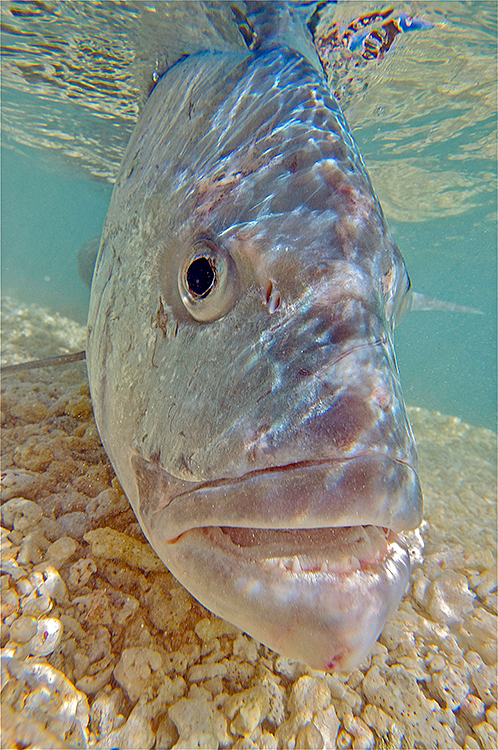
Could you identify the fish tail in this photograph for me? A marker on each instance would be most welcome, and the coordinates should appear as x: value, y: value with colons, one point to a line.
x: 423, y: 302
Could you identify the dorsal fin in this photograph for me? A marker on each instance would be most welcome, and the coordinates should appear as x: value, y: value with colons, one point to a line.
x: 268, y: 24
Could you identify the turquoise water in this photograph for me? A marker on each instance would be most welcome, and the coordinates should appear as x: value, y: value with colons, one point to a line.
x: 49, y: 209
x: 448, y: 361
x: 426, y: 128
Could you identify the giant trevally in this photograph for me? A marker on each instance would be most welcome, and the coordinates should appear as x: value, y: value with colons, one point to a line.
x: 240, y: 347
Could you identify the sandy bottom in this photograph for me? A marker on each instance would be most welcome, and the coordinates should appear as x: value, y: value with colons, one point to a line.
x: 102, y: 647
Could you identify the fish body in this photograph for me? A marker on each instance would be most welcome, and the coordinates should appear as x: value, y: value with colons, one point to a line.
x: 240, y: 349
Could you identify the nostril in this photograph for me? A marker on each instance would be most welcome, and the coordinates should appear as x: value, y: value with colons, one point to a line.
x: 272, y: 297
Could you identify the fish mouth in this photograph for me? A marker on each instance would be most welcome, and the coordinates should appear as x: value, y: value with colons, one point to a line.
x: 313, y: 555
x: 309, y: 558
x: 301, y: 552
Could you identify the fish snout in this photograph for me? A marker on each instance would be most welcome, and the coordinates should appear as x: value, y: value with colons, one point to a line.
x: 333, y: 401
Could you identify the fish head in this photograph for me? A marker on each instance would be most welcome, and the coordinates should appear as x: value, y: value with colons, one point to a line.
x: 251, y: 402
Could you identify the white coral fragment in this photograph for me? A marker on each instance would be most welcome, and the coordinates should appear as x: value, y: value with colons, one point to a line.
x: 135, y: 668
x: 199, y: 723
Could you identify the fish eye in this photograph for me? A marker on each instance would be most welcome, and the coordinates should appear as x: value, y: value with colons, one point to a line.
x: 208, y: 281
x: 201, y: 277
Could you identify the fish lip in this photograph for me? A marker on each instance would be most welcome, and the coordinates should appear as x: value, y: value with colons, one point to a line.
x: 291, y: 467
x: 328, y: 619
x: 364, y: 490
x: 305, y: 560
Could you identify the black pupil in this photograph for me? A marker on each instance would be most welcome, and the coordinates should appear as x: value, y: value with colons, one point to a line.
x: 200, y: 277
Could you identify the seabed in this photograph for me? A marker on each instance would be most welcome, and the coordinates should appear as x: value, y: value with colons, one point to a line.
x: 103, y: 648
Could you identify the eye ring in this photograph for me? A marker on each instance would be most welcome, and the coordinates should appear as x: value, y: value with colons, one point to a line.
x: 208, y: 281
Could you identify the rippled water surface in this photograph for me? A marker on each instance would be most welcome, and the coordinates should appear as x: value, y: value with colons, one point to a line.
x: 74, y: 74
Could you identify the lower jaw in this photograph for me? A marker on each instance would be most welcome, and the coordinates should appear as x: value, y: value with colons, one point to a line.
x: 320, y: 596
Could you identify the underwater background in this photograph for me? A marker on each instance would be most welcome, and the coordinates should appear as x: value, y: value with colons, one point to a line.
x: 101, y: 647
x: 423, y: 114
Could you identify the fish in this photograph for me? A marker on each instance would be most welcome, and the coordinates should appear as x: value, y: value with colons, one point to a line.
x: 240, y: 347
